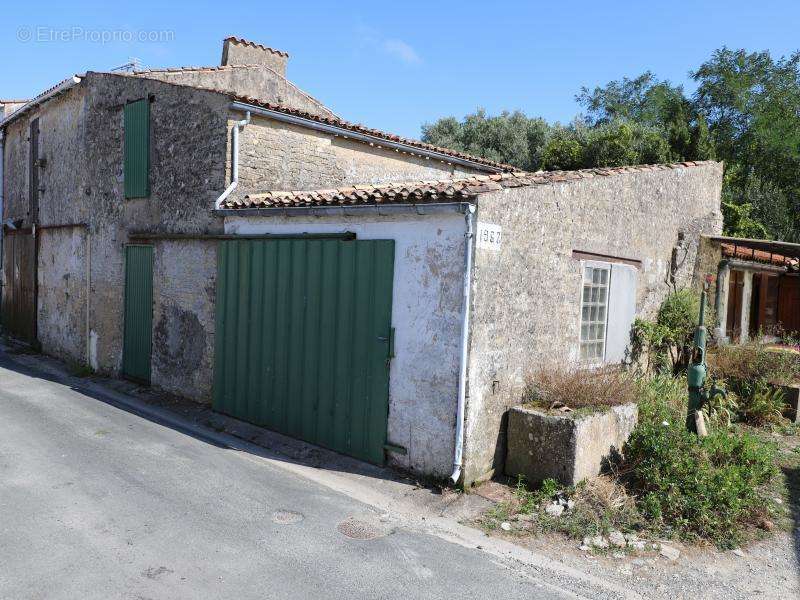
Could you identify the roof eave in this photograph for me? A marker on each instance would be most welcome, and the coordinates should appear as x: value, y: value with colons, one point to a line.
x: 41, y: 98
x: 361, y: 137
x: 420, y: 209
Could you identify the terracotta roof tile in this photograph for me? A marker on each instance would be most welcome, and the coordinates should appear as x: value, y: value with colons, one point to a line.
x: 244, y: 42
x: 200, y: 69
x: 422, y: 192
x: 762, y: 256
x: 358, y: 128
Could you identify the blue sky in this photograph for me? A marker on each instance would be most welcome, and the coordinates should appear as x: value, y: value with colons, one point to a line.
x: 397, y: 65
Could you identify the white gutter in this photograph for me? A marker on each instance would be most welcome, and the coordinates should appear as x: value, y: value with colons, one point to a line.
x: 361, y: 137
x: 234, y: 162
x: 59, y: 89
x: 2, y: 163
x: 462, y: 377
x: 347, y: 211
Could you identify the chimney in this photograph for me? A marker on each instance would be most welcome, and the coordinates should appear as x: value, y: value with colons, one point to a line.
x: 236, y: 51
x: 9, y: 106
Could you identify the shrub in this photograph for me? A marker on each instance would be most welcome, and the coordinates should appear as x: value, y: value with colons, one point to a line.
x: 705, y: 488
x: 580, y: 388
x: 764, y: 407
x: 748, y: 370
x: 748, y: 366
x: 667, y: 340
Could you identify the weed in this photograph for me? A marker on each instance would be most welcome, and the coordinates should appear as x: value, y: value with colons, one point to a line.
x: 80, y: 370
x: 579, y: 389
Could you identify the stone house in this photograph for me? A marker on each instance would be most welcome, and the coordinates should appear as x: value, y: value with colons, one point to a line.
x: 219, y: 234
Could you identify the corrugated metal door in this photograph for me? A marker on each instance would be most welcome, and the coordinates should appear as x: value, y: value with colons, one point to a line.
x: 19, y: 293
x: 303, y: 339
x: 138, y: 337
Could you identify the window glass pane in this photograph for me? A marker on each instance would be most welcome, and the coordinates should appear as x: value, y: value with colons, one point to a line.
x: 594, y: 312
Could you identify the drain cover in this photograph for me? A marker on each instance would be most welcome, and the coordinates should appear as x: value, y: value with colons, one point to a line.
x: 286, y: 517
x: 359, y: 530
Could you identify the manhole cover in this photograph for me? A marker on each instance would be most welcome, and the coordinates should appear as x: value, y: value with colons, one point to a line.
x: 359, y: 530
x: 286, y: 517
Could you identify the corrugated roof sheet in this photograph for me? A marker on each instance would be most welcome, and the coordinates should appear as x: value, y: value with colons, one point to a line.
x: 420, y: 192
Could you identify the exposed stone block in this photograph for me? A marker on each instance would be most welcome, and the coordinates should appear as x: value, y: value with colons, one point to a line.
x: 791, y: 394
x: 566, y: 448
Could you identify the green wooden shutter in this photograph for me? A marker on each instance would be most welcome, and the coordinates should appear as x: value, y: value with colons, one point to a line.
x: 138, y: 335
x: 137, y: 149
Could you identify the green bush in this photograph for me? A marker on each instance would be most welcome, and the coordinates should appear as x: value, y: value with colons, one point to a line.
x: 748, y: 372
x: 666, y: 341
x: 705, y: 488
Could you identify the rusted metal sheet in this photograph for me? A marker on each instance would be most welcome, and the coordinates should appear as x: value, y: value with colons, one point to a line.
x: 19, y: 292
x: 303, y: 339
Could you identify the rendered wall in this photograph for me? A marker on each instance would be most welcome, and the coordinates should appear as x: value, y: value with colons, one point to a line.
x: 526, y: 295
x: 426, y: 315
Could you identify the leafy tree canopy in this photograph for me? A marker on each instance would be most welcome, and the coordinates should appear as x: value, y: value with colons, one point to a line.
x: 745, y: 112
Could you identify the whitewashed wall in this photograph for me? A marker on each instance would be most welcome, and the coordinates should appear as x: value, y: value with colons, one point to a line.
x: 426, y: 315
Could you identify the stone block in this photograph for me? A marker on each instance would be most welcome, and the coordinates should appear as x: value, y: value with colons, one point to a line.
x: 566, y: 448
x: 791, y: 394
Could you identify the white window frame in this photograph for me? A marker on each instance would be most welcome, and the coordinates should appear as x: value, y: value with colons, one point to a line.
x: 603, y: 289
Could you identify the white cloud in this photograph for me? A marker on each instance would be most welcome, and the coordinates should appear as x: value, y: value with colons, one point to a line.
x: 402, y: 51
x: 373, y: 40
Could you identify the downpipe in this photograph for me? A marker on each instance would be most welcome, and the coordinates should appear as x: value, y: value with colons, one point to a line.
x: 2, y: 185
x: 462, y: 377
x: 234, y: 161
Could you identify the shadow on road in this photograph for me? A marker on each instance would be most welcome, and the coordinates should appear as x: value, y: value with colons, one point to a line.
x: 192, y: 419
x: 793, y: 486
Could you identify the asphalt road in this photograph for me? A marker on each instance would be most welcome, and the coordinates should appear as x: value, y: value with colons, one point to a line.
x: 96, y: 502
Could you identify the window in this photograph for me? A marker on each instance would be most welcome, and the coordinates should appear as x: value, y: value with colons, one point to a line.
x: 594, y: 312
x: 136, y: 170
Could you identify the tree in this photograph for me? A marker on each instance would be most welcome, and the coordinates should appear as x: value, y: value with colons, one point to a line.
x: 610, y: 145
x: 510, y: 137
x: 563, y: 150
x: 752, y: 103
x: 745, y: 112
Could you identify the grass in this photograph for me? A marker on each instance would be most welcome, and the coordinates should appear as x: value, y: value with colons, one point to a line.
x: 590, y: 390
x: 671, y: 484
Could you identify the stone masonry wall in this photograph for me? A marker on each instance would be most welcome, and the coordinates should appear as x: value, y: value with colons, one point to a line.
x: 81, y: 139
x: 184, y: 295
x: 188, y: 158
x: 62, y: 251
x: 526, y: 295
x: 254, y: 81
x: 278, y: 156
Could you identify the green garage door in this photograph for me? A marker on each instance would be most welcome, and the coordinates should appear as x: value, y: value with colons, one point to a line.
x: 303, y: 339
